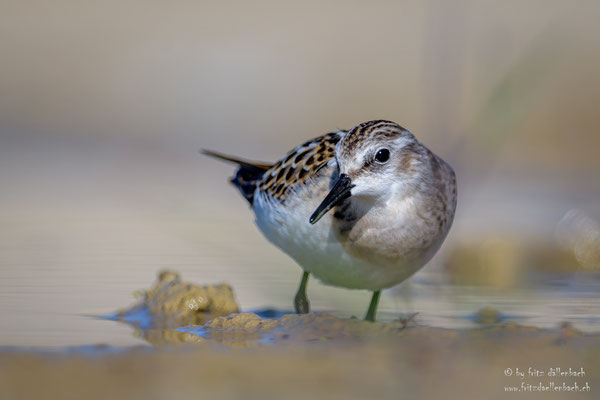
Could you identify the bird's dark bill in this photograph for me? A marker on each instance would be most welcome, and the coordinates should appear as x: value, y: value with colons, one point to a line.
x: 339, y: 192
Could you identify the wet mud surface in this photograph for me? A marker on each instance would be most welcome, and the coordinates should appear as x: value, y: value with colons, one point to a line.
x: 203, y: 348
x: 172, y: 302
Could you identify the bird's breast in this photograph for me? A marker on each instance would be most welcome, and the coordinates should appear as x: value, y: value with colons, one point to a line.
x: 401, y: 230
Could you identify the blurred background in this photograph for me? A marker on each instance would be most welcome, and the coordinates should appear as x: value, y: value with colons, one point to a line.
x: 104, y: 106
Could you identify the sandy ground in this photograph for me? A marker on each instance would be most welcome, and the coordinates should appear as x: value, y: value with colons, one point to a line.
x: 316, y: 355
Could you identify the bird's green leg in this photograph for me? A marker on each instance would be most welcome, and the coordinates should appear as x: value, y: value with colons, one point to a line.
x: 373, y: 306
x: 301, y: 301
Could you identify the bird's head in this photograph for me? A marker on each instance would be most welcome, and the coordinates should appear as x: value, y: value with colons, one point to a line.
x: 375, y: 159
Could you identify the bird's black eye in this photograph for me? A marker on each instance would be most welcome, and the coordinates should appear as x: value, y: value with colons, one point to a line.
x: 382, y: 155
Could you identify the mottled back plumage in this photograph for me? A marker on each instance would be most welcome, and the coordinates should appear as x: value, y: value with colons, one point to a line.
x: 298, y: 166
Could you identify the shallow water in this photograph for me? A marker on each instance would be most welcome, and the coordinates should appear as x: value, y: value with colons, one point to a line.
x: 65, y: 313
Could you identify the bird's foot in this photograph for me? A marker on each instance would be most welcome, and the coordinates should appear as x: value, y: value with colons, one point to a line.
x: 301, y: 304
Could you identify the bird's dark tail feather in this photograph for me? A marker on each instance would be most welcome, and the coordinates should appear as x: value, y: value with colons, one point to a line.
x: 247, y: 175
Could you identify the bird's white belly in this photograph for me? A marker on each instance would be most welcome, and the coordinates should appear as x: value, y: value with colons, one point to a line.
x: 318, y: 249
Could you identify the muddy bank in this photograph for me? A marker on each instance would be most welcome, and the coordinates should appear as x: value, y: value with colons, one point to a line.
x: 198, y: 354
x: 353, y: 362
x: 250, y: 330
x: 172, y: 302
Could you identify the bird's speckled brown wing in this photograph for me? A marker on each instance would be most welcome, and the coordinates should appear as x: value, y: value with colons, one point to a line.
x: 298, y: 166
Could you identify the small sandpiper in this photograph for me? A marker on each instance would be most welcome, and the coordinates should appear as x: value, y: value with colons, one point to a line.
x: 393, y: 203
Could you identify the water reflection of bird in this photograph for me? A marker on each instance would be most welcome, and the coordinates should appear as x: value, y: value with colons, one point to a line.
x: 393, y: 203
